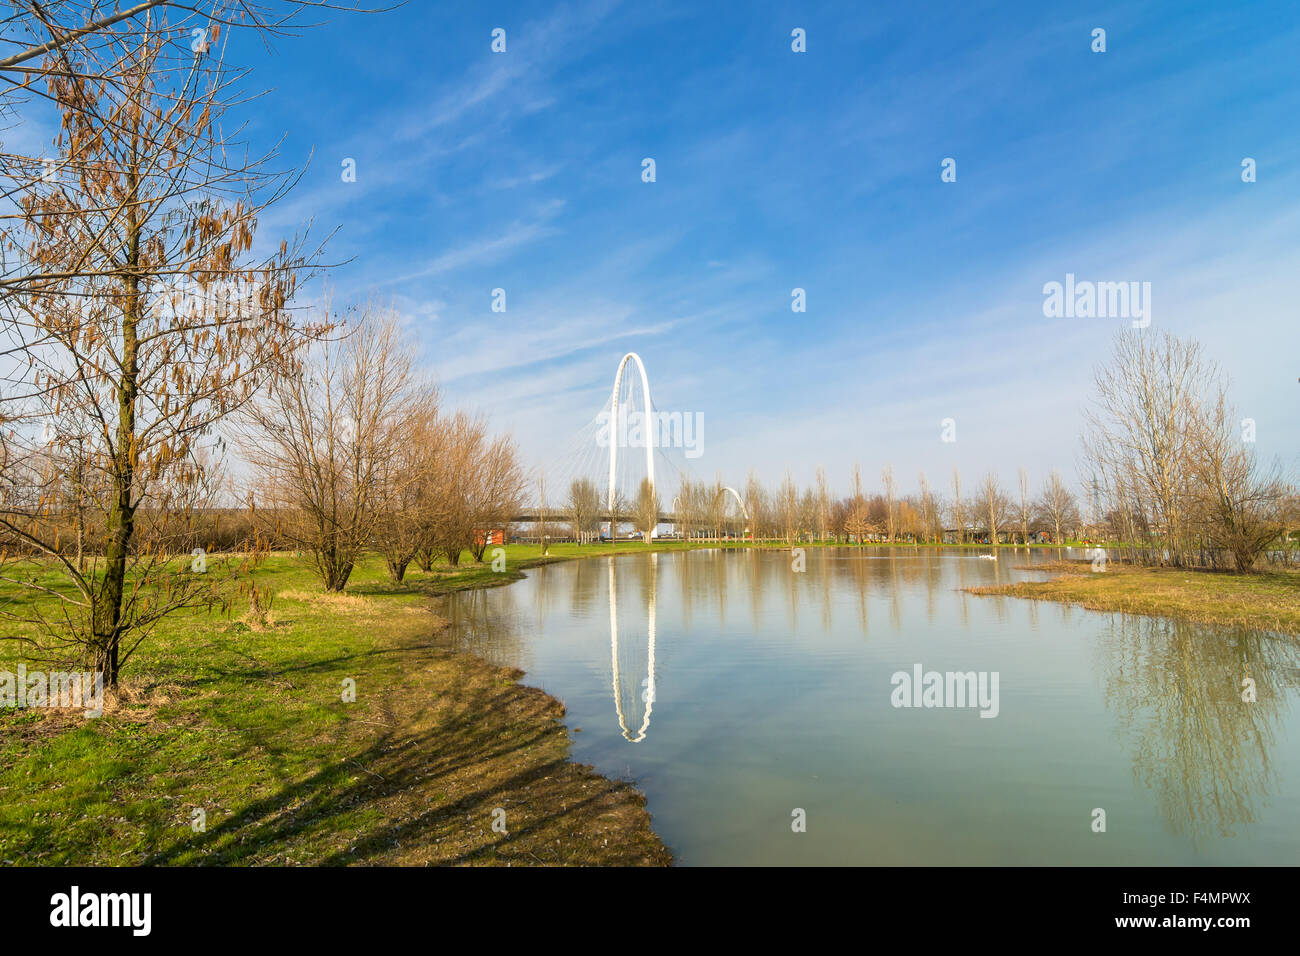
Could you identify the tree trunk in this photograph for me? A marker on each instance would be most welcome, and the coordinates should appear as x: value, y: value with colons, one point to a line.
x: 107, y: 614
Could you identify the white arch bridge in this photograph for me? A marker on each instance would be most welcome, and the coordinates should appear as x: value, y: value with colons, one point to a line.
x: 605, y: 454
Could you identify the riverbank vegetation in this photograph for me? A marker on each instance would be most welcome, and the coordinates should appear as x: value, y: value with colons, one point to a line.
x: 1171, y: 479
x: 231, y: 741
x: 1267, y: 600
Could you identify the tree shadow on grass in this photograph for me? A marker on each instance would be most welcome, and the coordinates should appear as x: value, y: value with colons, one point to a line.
x: 425, y: 788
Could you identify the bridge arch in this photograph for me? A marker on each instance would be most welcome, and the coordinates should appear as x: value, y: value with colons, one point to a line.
x: 739, y: 501
x: 615, y: 434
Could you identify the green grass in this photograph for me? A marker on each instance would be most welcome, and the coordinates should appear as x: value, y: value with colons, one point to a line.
x: 1268, y: 600
x: 249, y: 726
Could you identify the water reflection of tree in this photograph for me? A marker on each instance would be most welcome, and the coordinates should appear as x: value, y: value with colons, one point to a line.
x: 485, y: 622
x: 762, y: 571
x: 687, y: 566
x: 858, y: 569
x: 824, y: 575
x: 933, y: 574
x: 896, y: 589
x: 1177, y: 689
x: 585, y: 584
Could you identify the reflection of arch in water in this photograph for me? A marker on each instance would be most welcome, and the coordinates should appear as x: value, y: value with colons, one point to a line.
x: 649, y: 695
x: 614, y: 424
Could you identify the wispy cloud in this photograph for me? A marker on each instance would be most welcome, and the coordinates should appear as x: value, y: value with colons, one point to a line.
x: 489, y: 249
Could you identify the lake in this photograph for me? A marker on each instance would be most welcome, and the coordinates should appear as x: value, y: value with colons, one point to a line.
x: 745, y: 698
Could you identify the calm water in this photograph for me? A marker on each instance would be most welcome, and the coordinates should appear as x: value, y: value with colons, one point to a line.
x: 732, y: 690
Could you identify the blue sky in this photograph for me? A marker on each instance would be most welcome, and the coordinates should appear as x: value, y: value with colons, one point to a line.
x: 818, y: 170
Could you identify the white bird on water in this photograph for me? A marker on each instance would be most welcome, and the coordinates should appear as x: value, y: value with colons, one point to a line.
x: 988, y: 557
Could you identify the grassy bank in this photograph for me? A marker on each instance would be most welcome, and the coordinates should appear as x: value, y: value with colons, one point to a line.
x: 248, y: 725
x: 1269, y: 600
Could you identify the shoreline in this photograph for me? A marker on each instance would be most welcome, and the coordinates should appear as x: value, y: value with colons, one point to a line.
x: 231, y: 744
x: 1264, y: 600
x: 242, y: 723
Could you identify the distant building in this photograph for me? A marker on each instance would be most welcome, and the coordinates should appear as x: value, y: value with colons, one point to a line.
x: 488, y: 537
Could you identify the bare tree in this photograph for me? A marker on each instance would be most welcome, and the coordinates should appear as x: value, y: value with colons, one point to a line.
x: 808, y: 510
x: 910, y: 524
x: 717, y: 507
x: 142, y: 317
x: 462, y: 438
x: 543, y: 517
x: 1243, y: 509
x: 408, y: 501
x: 479, y: 486
x: 891, y: 501
x: 1057, y: 506
x: 756, y: 500
x: 83, y: 57
x: 858, y: 523
x: 993, y: 505
x: 1141, y: 429
x: 929, y: 508
x: 1025, y: 508
x: 958, y: 507
x: 35, y: 30
x: 583, y: 509
x: 620, y: 512
x: 788, y: 508
x: 823, y: 505
x: 646, y: 509
x: 320, y: 442
x: 495, y: 489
